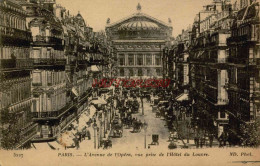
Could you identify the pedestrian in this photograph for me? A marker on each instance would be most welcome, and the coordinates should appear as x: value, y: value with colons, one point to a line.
x: 202, y: 141
x: 88, y: 135
x: 196, y: 141
x: 76, y: 142
x: 211, y: 137
x: 225, y: 138
x: 220, y: 139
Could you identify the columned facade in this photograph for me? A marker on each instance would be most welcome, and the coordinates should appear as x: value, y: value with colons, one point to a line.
x: 139, y: 40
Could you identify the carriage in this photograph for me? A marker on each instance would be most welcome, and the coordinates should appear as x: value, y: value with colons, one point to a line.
x: 155, y: 139
x: 107, y: 144
x: 128, y: 120
x: 135, y: 106
x: 158, y: 114
x: 137, y: 126
x: 172, y: 145
x: 118, y: 131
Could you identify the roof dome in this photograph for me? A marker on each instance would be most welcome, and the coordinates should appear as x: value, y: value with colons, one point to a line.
x: 139, y: 25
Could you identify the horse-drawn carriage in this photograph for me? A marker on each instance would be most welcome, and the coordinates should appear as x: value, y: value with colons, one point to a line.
x: 135, y: 106
x: 158, y: 114
x: 107, y: 144
x: 155, y: 139
x: 117, y: 130
x: 137, y: 126
x: 128, y: 120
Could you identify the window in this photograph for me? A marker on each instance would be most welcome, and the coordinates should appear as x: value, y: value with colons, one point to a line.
x: 35, y: 106
x: 158, y: 72
x: 148, y: 60
x: 131, y: 72
x: 49, y: 78
x: 48, y: 54
x: 222, y: 115
x: 122, y: 73
x: 140, y: 72
x: 1, y: 53
x: 140, y: 60
x: 36, y: 54
x: 130, y: 59
x: 122, y: 60
x: 157, y: 60
x: 37, y: 78
x: 149, y: 72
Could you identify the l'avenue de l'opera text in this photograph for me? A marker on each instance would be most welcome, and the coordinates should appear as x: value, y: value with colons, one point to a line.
x: 121, y: 155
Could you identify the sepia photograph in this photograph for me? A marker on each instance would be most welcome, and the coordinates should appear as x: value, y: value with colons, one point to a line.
x: 129, y: 82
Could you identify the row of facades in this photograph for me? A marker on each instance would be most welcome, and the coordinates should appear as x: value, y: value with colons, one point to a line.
x: 47, y: 61
x: 216, y: 62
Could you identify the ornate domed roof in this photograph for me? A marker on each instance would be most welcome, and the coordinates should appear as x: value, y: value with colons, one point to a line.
x: 138, y: 25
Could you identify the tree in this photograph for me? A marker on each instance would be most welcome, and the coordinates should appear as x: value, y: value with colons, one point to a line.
x: 250, y: 134
x: 10, y: 130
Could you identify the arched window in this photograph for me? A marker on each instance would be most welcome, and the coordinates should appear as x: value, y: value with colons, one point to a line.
x: 131, y: 72
x: 122, y: 72
x: 140, y: 59
x: 140, y: 72
x: 17, y: 23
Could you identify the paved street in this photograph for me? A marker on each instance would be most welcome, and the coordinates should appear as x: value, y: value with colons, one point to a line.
x: 136, y: 140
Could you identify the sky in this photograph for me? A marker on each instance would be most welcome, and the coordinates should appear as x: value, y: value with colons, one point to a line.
x: 96, y: 12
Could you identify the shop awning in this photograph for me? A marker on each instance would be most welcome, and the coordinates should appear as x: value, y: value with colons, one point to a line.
x: 182, y: 97
x: 99, y: 101
x: 74, y: 91
x: 94, y: 68
x: 92, y: 111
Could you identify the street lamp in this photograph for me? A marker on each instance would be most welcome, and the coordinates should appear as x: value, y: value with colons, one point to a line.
x: 100, y: 128
x: 142, y: 102
x: 95, y: 128
x: 145, y: 125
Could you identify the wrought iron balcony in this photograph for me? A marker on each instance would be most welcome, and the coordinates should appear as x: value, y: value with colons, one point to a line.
x: 14, y: 36
x: 51, y: 115
x: 49, y: 61
x: 47, y: 40
x: 9, y: 64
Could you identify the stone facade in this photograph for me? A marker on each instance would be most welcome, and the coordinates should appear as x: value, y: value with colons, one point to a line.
x: 139, y: 40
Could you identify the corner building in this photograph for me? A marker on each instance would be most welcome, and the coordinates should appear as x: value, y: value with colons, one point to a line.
x: 139, y: 40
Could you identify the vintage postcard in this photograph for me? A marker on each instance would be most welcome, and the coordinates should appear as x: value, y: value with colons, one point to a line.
x: 129, y: 82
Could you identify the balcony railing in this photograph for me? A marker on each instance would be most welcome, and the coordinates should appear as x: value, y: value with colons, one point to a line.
x: 242, y: 38
x: 97, y: 62
x: 47, y: 40
x: 49, y: 61
x: 52, y: 114
x: 16, y: 64
x: 14, y: 36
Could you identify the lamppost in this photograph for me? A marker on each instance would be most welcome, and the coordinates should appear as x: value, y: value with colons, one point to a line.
x: 142, y: 101
x: 95, y: 128
x: 98, y: 137
x: 145, y: 125
x: 100, y: 132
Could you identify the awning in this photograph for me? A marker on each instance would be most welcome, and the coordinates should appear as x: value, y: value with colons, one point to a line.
x: 74, y: 91
x: 99, y: 101
x: 94, y: 68
x: 182, y: 97
x: 92, y: 111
